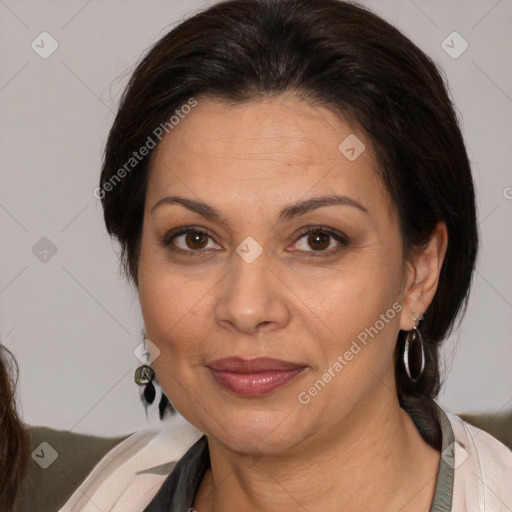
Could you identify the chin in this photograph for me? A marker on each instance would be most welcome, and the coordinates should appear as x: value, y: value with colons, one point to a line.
x: 250, y: 432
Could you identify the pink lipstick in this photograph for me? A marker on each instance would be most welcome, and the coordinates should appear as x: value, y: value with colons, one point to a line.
x: 253, y: 377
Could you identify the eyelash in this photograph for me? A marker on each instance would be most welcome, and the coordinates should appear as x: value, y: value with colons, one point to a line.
x: 341, y: 238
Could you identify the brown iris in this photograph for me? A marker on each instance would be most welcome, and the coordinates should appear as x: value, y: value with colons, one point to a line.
x: 321, y: 240
x: 194, y: 238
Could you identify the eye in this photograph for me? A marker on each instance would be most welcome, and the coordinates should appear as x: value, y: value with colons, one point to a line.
x: 187, y: 239
x: 192, y: 240
x: 320, y: 239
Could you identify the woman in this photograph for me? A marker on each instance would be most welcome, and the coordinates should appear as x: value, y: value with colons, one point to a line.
x: 13, y: 434
x: 294, y: 202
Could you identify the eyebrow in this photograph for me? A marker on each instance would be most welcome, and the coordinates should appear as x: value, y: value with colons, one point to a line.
x: 287, y: 213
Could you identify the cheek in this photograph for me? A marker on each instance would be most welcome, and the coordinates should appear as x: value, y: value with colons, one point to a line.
x: 170, y: 309
x: 367, y: 285
x: 360, y: 312
x: 174, y: 307
x: 160, y: 291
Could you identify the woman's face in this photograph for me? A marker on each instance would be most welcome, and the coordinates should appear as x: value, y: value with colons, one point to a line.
x: 257, y: 286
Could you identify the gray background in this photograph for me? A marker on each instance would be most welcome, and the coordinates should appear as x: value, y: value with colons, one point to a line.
x: 72, y: 321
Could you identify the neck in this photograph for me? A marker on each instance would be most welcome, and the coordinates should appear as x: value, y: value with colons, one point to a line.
x: 377, y: 461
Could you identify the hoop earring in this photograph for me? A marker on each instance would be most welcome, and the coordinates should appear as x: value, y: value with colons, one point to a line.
x: 412, y: 336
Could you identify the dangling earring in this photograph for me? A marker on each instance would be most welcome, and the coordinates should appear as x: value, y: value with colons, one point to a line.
x: 165, y: 404
x: 144, y: 376
x: 414, y: 336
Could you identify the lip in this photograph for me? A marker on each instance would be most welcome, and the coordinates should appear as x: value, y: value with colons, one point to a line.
x: 253, y: 377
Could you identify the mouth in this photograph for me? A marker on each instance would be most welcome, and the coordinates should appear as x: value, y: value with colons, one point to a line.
x: 253, y: 377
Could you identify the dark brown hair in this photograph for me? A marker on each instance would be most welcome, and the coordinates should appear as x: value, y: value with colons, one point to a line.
x: 335, y: 54
x: 14, y: 437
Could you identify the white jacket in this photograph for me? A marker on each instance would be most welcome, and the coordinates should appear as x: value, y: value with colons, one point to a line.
x: 483, y: 470
x: 127, y: 478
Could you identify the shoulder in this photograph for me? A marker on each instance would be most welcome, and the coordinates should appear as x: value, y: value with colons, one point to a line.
x: 129, y: 475
x: 482, y: 468
x: 498, y: 425
x: 59, y: 461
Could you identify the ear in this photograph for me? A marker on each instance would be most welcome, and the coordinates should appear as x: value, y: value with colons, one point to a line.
x: 422, y: 277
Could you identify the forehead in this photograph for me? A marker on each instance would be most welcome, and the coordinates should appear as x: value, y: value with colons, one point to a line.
x: 265, y: 151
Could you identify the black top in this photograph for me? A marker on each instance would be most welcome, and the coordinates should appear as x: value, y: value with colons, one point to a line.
x: 179, y: 489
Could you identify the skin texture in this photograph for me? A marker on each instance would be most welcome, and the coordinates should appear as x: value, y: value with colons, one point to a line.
x: 351, y: 447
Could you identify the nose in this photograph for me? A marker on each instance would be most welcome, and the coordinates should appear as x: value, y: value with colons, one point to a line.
x: 252, y: 297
